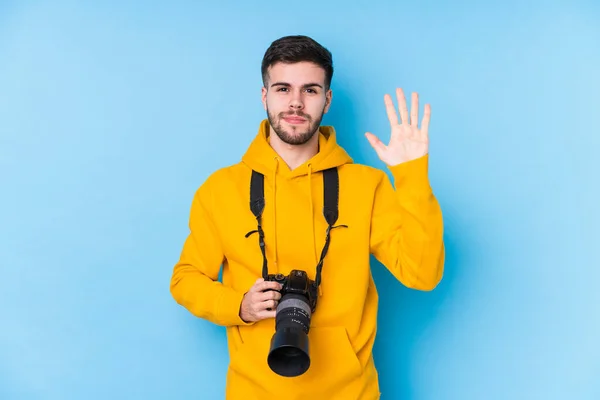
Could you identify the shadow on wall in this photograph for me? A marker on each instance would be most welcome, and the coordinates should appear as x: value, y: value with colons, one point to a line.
x: 404, y: 314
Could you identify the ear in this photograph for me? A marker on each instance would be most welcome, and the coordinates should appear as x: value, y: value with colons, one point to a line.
x: 328, y: 97
x: 264, y: 97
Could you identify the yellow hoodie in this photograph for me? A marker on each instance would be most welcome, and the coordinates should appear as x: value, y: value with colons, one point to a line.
x: 402, y: 228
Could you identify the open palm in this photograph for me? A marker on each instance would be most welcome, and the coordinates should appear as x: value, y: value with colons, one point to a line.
x: 407, y: 141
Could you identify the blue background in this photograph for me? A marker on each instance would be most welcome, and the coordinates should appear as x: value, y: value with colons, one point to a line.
x: 112, y: 114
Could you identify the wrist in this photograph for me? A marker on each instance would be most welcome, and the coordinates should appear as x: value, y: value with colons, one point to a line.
x: 241, y: 310
x: 411, y: 178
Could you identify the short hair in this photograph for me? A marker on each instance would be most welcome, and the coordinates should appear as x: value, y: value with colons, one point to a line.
x: 297, y: 48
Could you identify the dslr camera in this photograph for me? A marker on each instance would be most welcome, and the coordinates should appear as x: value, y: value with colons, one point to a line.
x: 289, y: 355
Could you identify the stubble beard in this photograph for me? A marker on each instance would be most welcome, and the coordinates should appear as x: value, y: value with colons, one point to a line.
x: 296, y: 137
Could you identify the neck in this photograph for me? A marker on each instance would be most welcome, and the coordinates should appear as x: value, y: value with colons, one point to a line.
x: 295, y: 155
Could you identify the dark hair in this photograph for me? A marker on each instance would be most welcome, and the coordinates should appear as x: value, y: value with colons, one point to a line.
x: 298, y: 48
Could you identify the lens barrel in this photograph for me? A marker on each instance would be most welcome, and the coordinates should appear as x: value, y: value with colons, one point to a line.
x: 289, y: 353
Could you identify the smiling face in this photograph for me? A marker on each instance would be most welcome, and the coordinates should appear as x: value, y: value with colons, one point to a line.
x: 296, y: 98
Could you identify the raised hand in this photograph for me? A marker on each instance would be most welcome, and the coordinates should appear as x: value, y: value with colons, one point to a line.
x: 407, y: 141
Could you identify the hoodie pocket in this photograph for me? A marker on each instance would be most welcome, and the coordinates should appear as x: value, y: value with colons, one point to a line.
x: 332, y: 358
x: 333, y: 362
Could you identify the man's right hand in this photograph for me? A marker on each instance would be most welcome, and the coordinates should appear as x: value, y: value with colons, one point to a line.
x: 261, y: 297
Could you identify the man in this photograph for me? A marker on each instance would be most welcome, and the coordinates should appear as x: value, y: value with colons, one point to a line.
x: 402, y: 228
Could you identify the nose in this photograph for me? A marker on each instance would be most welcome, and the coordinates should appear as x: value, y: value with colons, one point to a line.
x: 296, y: 102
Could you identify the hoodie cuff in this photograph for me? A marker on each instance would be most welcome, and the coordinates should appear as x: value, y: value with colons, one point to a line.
x: 411, y: 178
x: 229, y: 308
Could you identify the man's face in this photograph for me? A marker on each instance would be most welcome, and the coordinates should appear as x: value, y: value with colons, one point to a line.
x: 295, y: 100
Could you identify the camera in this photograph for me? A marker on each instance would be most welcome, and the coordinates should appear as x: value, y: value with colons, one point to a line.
x: 289, y: 355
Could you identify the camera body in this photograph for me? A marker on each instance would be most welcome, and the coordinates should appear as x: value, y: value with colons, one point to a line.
x: 297, y: 283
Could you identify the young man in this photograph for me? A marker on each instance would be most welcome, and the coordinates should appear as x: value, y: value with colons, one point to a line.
x: 291, y: 155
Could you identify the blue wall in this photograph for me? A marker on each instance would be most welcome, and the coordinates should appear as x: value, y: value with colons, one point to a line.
x: 112, y: 115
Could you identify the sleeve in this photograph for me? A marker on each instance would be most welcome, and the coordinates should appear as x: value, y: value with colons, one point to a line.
x: 194, y: 283
x: 407, y: 226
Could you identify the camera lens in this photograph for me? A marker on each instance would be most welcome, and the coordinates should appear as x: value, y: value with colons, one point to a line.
x: 289, y: 354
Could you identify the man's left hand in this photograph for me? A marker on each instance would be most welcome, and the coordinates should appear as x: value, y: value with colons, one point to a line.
x: 407, y: 141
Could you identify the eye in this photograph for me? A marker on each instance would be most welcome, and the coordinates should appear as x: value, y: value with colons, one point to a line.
x: 311, y: 90
x: 281, y: 89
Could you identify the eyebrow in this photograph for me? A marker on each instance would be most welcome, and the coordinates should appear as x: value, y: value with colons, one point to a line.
x: 305, y: 86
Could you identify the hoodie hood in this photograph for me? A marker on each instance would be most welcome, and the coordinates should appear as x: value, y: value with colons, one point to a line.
x: 261, y: 157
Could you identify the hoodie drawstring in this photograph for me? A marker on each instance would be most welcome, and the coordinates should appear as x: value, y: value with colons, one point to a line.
x: 275, y: 213
x: 312, y: 215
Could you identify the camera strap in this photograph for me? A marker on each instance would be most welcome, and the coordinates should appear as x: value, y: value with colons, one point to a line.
x: 330, y: 212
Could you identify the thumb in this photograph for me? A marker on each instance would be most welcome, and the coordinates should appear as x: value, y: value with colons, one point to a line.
x: 376, y: 143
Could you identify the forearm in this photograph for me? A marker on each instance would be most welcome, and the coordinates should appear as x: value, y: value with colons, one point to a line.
x: 194, y: 283
x: 421, y: 253
x: 204, y: 297
x: 420, y: 248
x: 412, y: 248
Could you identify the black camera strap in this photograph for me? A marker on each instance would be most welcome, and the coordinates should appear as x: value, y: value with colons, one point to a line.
x: 257, y: 205
x: 330, y: 212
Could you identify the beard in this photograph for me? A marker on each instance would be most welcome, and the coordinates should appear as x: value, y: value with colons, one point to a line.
x: 294, y: 135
